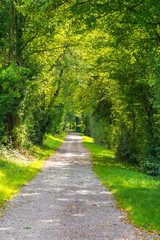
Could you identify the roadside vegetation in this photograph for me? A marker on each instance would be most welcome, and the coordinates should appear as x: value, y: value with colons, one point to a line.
x: 135, y: 192
x: 18, y: 167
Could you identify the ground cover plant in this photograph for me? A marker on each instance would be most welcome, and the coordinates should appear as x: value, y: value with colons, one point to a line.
x: 135, y: 192
x: 17, y: 168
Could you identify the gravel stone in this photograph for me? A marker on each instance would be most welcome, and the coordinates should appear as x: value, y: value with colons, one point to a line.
x: 66, y: 201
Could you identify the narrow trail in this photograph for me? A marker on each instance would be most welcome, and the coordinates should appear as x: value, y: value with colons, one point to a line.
x: 66, y: 201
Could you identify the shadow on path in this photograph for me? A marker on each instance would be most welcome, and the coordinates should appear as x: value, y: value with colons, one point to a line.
x: 66, y: 201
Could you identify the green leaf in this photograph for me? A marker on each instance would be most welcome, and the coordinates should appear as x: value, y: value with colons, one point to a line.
x: 5, y: 85
x: 27, y: 227
x: 16, y: 94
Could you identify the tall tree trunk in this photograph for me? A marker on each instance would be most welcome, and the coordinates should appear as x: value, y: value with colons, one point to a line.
x: 12, y: 32
x: 12, y: 118
x: 15, y: 125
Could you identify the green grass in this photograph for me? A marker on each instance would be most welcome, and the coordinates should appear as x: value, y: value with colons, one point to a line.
x: 50, y: 144
x: 135, y: 192
x: 16, y: 169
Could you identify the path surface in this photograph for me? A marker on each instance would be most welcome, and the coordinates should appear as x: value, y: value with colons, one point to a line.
x: 66, y: 201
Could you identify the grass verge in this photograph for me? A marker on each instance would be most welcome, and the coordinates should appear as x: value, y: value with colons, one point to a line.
x: 135, y: 192
x: 16, y: 168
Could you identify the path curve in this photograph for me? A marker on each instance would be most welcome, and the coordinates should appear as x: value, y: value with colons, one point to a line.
x: 66, y: 201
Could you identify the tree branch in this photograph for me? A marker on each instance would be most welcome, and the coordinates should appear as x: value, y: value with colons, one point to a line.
x: 157, y: 35
x: 78, y: 4
x: 51, y: 49
x: 31, y: 39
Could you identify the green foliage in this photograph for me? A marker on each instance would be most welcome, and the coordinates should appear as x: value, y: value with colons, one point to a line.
x: 99, y: 60
x: 118, y: 92
x: 101, y: 131
x: 134, y: 191
x: 69, y: 120
x: 85, y: 124
x: 56, y: 120
x: 12, y: 81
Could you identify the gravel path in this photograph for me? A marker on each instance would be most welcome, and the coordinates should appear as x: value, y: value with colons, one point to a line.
x: 66, y: 201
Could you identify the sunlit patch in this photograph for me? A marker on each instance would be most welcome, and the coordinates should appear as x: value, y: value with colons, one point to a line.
x: 47, y: 221
x: 84, y: 192
x: 63, y: 199
x: 105, y: 192
x: 78, y: 215
x: 4, y: 228
x: 29, y: 194
x: 2, y: 174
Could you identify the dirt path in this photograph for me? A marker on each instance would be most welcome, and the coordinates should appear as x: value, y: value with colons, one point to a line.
x: 66, y: 201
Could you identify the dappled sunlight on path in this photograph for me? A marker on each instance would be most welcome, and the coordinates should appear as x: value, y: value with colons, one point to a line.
x: 66, y: 201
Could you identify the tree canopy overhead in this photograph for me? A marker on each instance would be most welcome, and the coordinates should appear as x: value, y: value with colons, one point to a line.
x: 95, y: 60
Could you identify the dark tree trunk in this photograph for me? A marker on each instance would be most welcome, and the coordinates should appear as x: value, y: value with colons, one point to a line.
x: 12, y: 32
x: 15, y: 125
x: 12, y: 118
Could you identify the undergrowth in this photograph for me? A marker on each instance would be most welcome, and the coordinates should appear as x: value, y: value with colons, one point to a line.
x: 18, y: 167
x: 135, y: 192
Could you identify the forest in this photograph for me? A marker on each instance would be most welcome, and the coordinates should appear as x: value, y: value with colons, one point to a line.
x: 88, y: 65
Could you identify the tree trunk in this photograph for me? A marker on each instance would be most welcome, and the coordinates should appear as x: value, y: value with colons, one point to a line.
x: 12, y: 118
x: 12, y: 32
x: 15, y: 125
